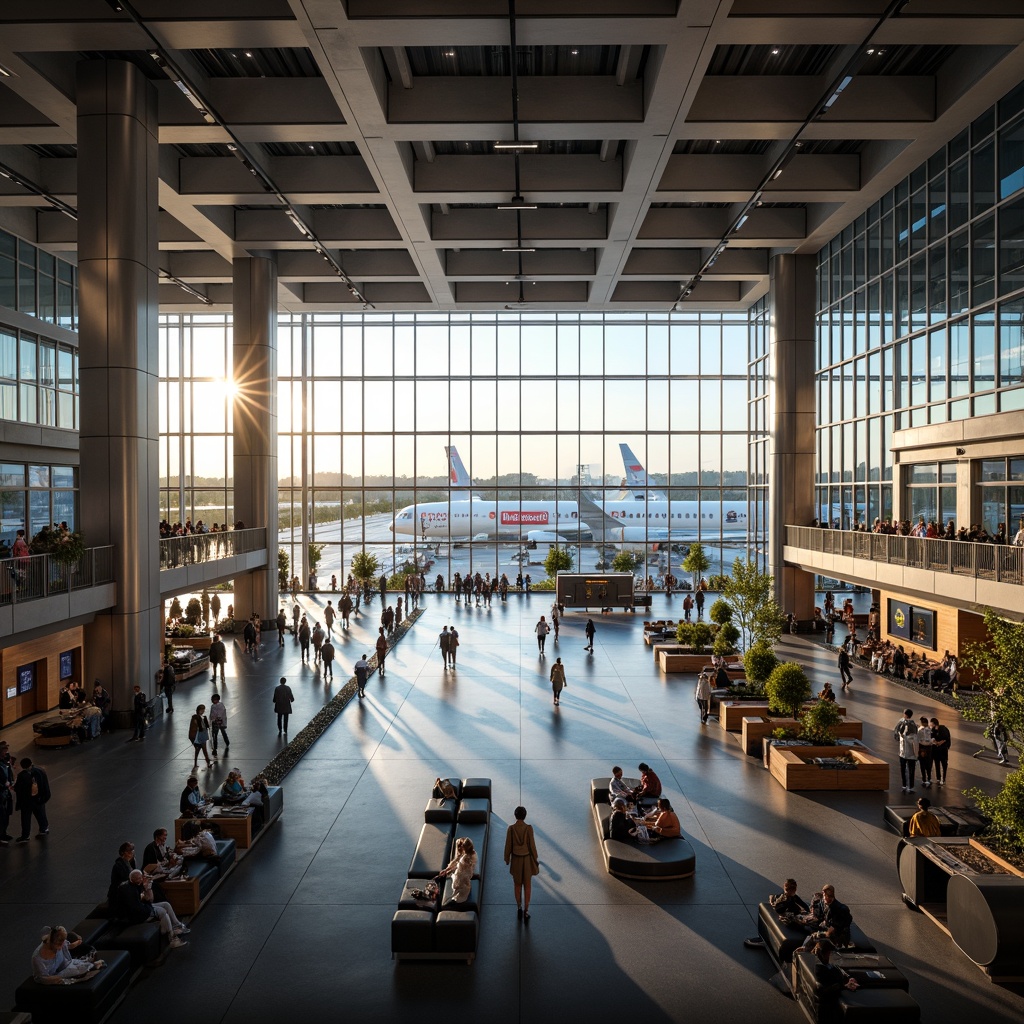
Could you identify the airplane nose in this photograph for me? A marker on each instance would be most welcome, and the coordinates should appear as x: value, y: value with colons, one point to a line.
x: 391, y: 527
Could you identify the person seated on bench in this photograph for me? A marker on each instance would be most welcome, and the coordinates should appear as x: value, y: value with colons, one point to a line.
x: 461, y: 868
x: 827, y: 693
x: 924, y: 823
x: 832, y: 919
x: 122, y: 868
x: 133, y: 902
x: 617, y: 788
x: 232, y: 791
x: 619, y: 823
x: 650, y: 785
x: 197, y: 841
x: 157, y: 860
x: 662, y: 823
x: 191, y: 801
x: 830, y: 979
x: 787, y: 905
x: 52, y: 962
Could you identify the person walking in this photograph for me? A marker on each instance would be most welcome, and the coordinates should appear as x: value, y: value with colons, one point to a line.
x: 199, y: 735
x: 219, y: 723
x: 329, y: 617
x: 316, y: 638
x: 296, y: 612
x: 32, y: 790
x: 398, y: 613
x: 905, y: 733
x: 327, y: 657
x: 843, y: 665
x: 304, y: 639
x: 444, y: 642
x: 941, y: 740
x: 522, y: 860
x: 699, y: 600
x: 703, y: 696
x: 218, y: 655
x: 140, y: 703
x: 687, y: 606
x: 215, y: 607
x: 204, y: 601
x: 557, y: 678
x: 554, y: 620
x: 282, y: 625
x: 924, y: 752
x: 283, y: 699
x: 166, y: 682
x: 6, y: 792
x: 362, y: 671
x: 382, y: 650
x: 590, y: 630
x: 345, y: 606
x: 453, y: 645
x: 541, y: 629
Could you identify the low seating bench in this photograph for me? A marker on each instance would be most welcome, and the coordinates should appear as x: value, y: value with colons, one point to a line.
x: 953, y: 821
x: 86, y: 1002
x: 782, y: 939
x: 433, y: 931
x: 664, y: 860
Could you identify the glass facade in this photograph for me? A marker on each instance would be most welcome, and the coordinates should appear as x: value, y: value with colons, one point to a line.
x: 32, y: 497
x: 34, y: 282
x: 921, y: 313
x: 195, y: 419
x: 536, y: 407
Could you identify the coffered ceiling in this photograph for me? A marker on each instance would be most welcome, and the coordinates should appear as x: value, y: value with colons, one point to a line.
x: 678, y: 143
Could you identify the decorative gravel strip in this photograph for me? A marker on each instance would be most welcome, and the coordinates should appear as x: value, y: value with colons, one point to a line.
x: 297, y: 748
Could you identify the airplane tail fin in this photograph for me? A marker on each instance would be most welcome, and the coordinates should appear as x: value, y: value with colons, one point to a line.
x: 637, y: 480
x: 458, y: 476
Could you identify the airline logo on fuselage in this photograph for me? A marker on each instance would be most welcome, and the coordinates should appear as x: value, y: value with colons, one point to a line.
x: 524, y: 518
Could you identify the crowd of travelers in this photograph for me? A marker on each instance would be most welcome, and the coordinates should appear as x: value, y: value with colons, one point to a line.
x: 931, y: 530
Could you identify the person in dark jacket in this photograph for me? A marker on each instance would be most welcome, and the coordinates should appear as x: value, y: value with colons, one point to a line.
x: 283, y: 699
x: 133, y: 902
x: 218, y: 656
x: 844, y: 668
x: 619, y: 823
x: 32, y: 789
x: 140, y: 703
x: 191, y: 799
x: 282, y: 625
x: 6, y: 792
x: 123, y: 867
x: 166, y: 683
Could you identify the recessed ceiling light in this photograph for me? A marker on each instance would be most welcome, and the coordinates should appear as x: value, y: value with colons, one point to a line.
x: 449, y: 53
x: 312, y: 147
x: 516, y: 145
x: 775, y: 51
x: 248, y: 53
x: 575, y: 53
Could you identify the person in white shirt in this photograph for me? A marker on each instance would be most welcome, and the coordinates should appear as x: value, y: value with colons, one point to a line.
x: 219, y: 722
x: 617, y: 788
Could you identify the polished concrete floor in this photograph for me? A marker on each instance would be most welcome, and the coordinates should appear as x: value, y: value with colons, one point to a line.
x: 301, y: 930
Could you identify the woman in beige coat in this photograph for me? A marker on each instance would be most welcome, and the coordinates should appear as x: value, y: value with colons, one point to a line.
x: 521, y: 858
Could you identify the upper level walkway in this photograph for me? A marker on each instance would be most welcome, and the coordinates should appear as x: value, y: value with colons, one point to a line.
x: 40, y: 591
x: 975, y: 576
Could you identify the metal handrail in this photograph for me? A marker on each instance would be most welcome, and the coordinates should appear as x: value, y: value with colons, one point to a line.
x: 1002, y: 563
x: 33, y: 577
x: 193, y: 548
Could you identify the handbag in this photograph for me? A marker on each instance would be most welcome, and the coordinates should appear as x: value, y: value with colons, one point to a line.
x: 201, y: 737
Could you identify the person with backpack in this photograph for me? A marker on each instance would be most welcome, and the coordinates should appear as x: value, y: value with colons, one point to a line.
x: 199, y: 735
x: 541, y: 629
x: 905, y: 733
x: 32, y: 790
x: 327, y: 658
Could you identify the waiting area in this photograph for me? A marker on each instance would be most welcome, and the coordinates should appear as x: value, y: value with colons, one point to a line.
x: 326, y: 876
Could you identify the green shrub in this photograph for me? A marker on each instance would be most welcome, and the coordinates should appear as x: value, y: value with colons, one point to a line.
x: 759, y: 663
x: 717, y: 582
x: 727, y: 636
x: 721, y: 612
x: 365, y: 566
x: 701, y: 636
x: 818, y: 723
x: 548, y: 584
x: 1006, y: 809
x: 194, y: 612
x: 174, y: 612
x: 783, y: 734
x: 787, y: 688
x: 283, y: 563
x: 627, y: 561
x: 557, y: 560
x: 397, y: 582
x: 684, y: 634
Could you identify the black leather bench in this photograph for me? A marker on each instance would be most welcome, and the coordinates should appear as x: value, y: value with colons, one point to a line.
x: 953, y: 821
x: 884, y: 1000
x: 142, y: 942
x: 781, y: 939
x: 433, y: 930
x: 87, y: 1001
x: 661, y: 861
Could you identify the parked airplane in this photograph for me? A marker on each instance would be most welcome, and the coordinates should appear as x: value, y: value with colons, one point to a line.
x: 628, y: 522
x: 636, y: 477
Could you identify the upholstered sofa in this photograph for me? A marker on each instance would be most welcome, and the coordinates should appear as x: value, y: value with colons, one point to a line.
x: 666, y: 859
x: 422, y: 930
x: 882, y: 995
x: 87, y: 1001
x: 781, y: 939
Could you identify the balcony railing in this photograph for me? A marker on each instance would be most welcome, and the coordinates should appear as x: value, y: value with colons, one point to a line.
x: 207, y: 547
x: 1002, y: 563
x: 38, y: 576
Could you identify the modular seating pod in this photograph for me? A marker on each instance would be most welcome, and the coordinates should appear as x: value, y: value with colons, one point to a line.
x: 422, y: 931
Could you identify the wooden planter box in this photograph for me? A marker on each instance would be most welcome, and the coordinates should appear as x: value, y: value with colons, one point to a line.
x: 732, y: 712
x: 789, y: 769
x: 200, y: 643
x: 756, y: 728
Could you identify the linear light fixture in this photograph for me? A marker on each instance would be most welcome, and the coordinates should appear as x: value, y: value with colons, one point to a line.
x: 171, y: 279
x: 6, y: 72
x: 516, y: 145
x: 518, y: 248
x: 517, y: 203
x: 37, y: 190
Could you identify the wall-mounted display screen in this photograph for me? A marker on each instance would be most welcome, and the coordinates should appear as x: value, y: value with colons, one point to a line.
x: 913, y: 623
x: 66, y: 661
x: 26, y: 678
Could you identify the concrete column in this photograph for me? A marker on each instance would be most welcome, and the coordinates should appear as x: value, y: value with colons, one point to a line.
x: 118, y: 281
x: 792, y: 416
x: 254, y: 282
